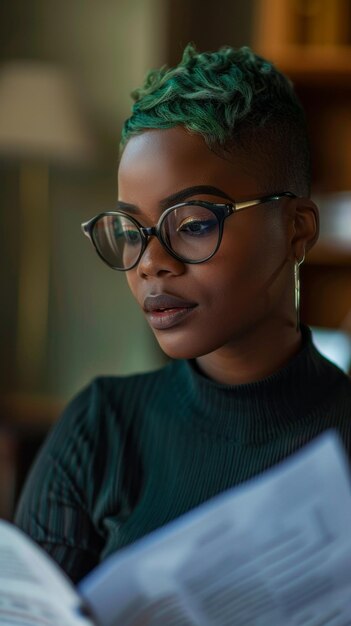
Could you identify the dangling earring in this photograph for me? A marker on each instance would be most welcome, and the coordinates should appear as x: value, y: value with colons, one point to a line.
x: 297, y: 290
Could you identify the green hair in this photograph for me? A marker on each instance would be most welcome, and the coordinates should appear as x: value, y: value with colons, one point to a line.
x: 230, y: 97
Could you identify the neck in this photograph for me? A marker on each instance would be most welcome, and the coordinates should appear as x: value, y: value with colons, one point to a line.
x: 252, y: 356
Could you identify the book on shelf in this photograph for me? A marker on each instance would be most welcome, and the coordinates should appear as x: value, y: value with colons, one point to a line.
x: 274, y: 550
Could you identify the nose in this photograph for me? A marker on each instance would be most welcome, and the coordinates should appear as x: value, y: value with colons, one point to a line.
x: 156, y: 260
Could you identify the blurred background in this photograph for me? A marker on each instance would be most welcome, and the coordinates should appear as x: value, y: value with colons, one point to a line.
x: 66, y: 71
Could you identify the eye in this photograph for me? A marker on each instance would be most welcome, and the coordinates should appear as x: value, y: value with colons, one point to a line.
x: 131, y: 236
x: 196, y: 227
x: 127, y: 231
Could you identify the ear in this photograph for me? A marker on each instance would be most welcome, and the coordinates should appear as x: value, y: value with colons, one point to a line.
x: 305, y: 232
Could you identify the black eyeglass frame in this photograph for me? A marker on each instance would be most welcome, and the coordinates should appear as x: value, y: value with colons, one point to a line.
x: 221, y: 211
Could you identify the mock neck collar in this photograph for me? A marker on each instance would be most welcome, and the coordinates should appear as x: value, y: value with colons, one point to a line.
x: 262, y: 410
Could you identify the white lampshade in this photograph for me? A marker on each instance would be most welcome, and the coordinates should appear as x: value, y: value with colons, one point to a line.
x: 41, y: 116
x: 42, y: 123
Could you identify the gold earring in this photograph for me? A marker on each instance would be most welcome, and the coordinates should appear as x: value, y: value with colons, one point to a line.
x: 297, y: 290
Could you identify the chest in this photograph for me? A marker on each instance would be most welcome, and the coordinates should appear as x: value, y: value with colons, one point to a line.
x: 172, y: 480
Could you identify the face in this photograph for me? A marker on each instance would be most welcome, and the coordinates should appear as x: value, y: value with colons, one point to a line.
x: 206, y: 307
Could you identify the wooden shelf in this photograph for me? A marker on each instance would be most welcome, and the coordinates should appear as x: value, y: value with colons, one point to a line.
x: 326, y: 66
x: 29, y: 412
x: 331, y: 252
x: 311, y: 43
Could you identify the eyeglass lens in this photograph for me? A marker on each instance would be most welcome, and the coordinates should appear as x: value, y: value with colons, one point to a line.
x: 190, y: 231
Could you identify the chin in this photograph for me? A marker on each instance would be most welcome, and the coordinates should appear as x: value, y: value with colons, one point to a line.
x: 183, y: 348
x: 176, y: 352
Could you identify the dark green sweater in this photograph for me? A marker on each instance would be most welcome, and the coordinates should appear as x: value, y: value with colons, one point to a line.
x: 132, y: 453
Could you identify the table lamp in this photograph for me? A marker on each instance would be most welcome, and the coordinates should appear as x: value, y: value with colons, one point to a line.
x: 41, y: 123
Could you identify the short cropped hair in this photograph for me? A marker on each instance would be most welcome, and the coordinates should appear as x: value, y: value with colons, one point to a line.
x: 234, y: 99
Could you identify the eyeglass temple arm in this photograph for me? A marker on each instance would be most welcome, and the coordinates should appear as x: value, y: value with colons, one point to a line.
x: 238, y: 206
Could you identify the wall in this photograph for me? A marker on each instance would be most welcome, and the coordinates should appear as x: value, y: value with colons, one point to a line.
x: 94, y: 326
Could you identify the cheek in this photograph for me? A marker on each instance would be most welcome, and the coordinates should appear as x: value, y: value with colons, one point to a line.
x: 254, y: 253
x: 131, y: 277
x: 249, y: 272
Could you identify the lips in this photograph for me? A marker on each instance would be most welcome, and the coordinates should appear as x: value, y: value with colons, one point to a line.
x: 164, y: 310
x: 165, y: 301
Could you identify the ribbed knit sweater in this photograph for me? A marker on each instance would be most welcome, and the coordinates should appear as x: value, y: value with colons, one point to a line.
x: 132, y: 453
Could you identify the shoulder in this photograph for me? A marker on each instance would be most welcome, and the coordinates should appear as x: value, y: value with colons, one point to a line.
x: 340, y: 398
x: 108, y: 402
x: 93, y: 428
x: 334, y: 409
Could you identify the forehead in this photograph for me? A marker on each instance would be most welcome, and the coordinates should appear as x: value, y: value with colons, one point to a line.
x: 157, y: 163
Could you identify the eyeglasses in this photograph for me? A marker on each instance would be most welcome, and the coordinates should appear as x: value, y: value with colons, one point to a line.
x: 190, y: 231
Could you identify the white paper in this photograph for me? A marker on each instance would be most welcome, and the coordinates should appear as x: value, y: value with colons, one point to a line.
x: 33, y: 590
x: 275, y: 551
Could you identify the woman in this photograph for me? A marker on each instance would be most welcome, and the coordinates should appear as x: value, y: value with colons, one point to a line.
x: 213, y: 221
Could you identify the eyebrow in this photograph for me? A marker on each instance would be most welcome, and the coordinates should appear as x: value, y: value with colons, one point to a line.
x: 179, y: 196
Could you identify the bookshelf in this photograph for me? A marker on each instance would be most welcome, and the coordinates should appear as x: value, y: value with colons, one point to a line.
x: 310, y: 41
